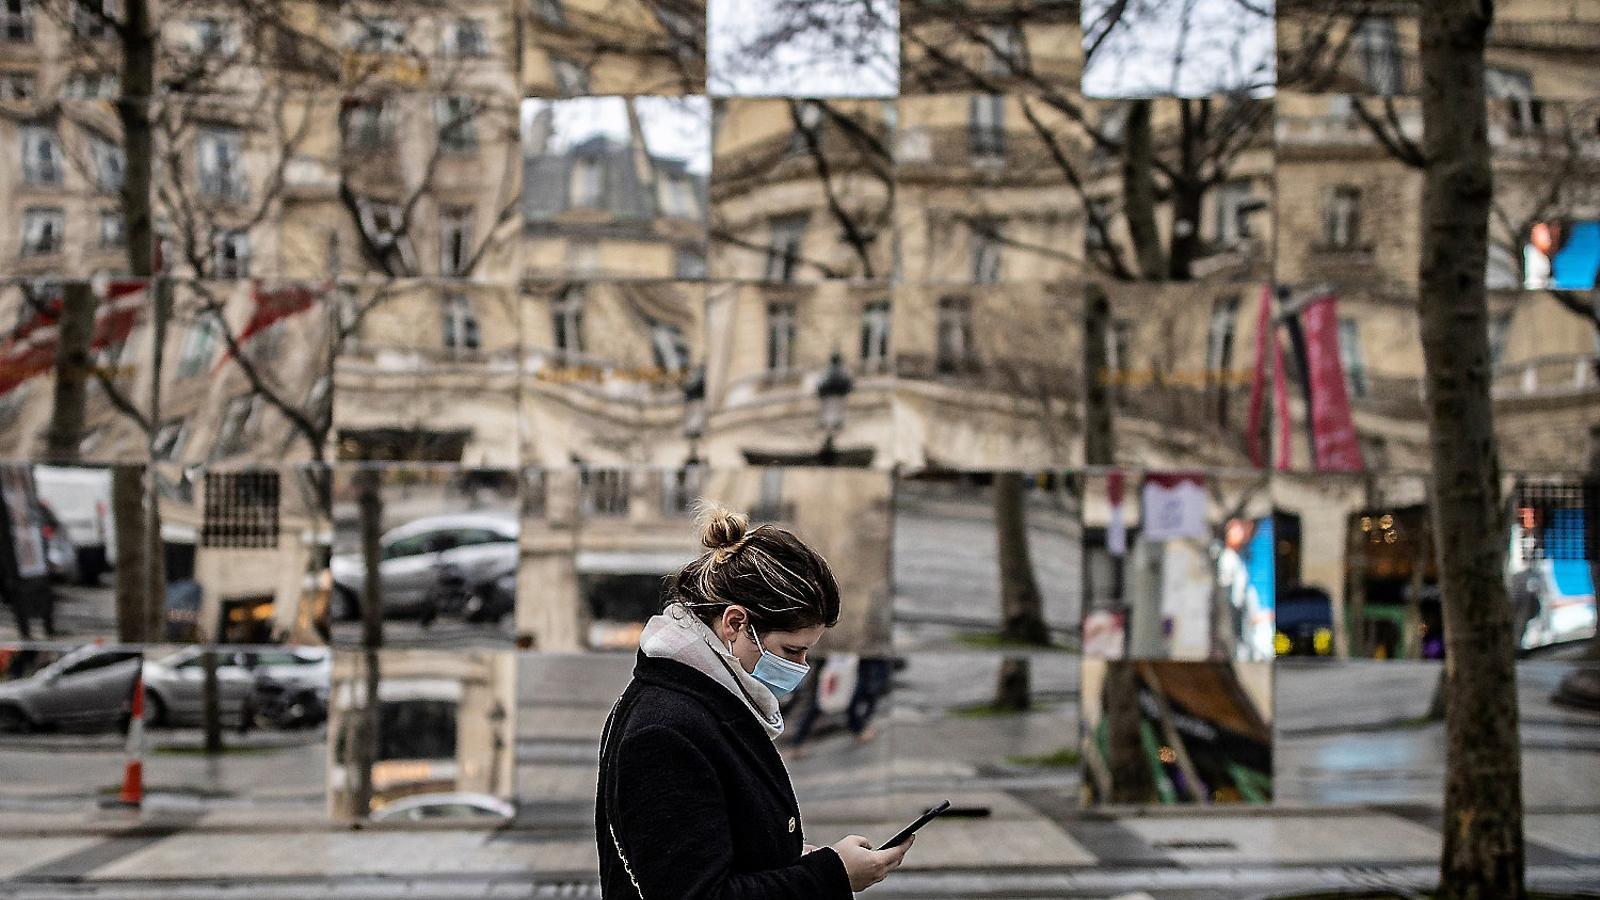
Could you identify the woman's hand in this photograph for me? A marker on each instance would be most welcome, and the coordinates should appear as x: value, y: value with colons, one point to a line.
x: 866, y: 866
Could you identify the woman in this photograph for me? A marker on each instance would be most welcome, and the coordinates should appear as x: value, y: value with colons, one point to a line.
x: 694, y: 802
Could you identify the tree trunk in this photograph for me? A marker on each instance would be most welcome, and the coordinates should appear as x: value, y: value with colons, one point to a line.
x: 1099, y: 428
x: 210, y: 704
x: 1139, y: 189
x: 155, y: 560
x: 1131, y: 778
x: 138, y: 39
x: 1187, y: 200
x: 128, y: 522
x: 369, y: 501
x: 1483, y: 852
x: 73, y: 358
x: 1021, y: 606
x: 1015, y: 692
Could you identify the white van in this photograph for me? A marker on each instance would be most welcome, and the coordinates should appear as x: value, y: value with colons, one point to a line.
x: 80, y: 498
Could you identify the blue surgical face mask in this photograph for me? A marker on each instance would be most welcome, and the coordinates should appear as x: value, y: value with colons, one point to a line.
x: 779, y: 675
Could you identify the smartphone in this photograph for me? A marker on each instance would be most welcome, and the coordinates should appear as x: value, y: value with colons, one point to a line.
x: 906, y: 833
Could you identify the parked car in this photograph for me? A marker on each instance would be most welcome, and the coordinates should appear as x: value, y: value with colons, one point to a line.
x: 88, y: 689
x: 493, y: 599
x: 1305, y: 623
x: 174, y: 685
x: 428, y: 807
x: 290, y: 701
x: 80, y: 497
x: 415, y: 555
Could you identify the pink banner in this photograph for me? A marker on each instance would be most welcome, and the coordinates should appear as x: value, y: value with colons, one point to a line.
x: 1333, y: 427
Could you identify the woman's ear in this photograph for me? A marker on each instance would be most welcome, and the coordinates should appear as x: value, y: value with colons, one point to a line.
x: 733, y: 621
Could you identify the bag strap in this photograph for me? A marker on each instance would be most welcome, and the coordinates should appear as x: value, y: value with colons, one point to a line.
x: 606, y: 796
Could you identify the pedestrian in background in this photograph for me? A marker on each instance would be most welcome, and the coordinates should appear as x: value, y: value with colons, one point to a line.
x: 694, y: 801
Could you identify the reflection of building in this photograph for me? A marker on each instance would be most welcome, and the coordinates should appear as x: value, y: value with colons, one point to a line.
x: 770, y: 364
x: 1365, y: 546
x: 1539, y: 48
x: 998, y: 45
x: 980, y: 195
x: 801, y: 190
x: 600, y: 209
x: 603, y: 47
x: 60, y: 192
x: 446, y: 724
x: 598, y: 543
x: 431, y: 374
x: 247, y: 539
x: 603, y: 370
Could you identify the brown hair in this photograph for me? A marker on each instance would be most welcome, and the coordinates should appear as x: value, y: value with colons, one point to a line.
x: 785, y: 585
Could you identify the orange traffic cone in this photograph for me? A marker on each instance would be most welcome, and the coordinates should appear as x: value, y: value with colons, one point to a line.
x: 133, y: 773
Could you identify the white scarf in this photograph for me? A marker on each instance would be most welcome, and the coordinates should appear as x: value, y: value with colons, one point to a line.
x: 678, y: 634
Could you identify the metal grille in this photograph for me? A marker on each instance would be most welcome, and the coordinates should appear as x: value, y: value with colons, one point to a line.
x: 1551, y: 515
x: 241, y: 510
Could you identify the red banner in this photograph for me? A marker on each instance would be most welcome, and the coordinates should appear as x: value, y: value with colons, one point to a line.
x: 1333, y: 427
x: 1266, y: 330
x: 273, y: 306
x: 30, y: 350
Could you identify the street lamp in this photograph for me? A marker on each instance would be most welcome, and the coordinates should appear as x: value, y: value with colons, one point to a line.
x: 832, y: 391
x: 694, y: 412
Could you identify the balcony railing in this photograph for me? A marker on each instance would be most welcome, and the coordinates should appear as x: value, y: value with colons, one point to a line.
x: 1546, y: 375
x: 1582, y: 36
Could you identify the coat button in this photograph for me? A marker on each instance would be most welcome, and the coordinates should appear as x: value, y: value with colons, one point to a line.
x: 791, y: 824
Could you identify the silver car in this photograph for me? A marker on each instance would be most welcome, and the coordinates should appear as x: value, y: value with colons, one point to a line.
x: 88, y: 689
x: 174, y: 686
x: 419, y: 556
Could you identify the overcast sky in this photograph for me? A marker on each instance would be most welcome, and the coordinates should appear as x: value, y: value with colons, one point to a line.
x: 676, y: 127
x: 1227, y: 46
x: 838, y: 48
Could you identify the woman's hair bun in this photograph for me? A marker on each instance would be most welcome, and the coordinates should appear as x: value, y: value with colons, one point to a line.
x: 720, y: 527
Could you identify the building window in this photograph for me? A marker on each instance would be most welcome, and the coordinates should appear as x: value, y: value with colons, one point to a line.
x: 43, y: 230
x: 95, y: 20
x: 583, y: 257
x: 688, y: 264
x: 566, y: 320
x: 1341, y: 225
x: 780, y: 337
x: 670, y: 348
x: 954, y: 350
x: 986, y: 126
x: 236, y: 419
x: 680, y: 488
x: 1001, y: 51
x: 92, y: 86
x: 113, y: 229
x: 1235, y: 203
x: 16, y: 86
x: 379, y: 35
x: 460, y: 325
x: 214, y: 37
x: 604, y: 492
x: 1380, y: 54
x: 875, y: 336
x: 588, y: 183
x: 783, y: 246
x: 232, y: 255
x: 456, y: 118
x: 552, y: 12
x: 1219, y: 341
x: 455, y: 241
x: 465, y: 39
x: 41, y: 155
x: 218, y: 155
x: 1355, y: 366
x: 677, y: 196
x: 199, y: 346
x: 369, y: 124
x: 108, y: 163
x: 1097, y: 229
x: 571, y: 78
x: 770, y: 507
x: 806, y: 130
x: 986, y: 245
x: 1516, y: 89
x: 241, y: 510
x: 16, y: 20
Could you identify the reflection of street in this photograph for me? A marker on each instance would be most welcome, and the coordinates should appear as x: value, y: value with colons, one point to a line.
x: 440, y: 634
x: 80, y: 611
x: 1356, y: 733
x: 946, y: 568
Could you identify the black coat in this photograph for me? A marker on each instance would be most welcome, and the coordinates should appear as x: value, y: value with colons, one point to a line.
x: 696, y: 796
